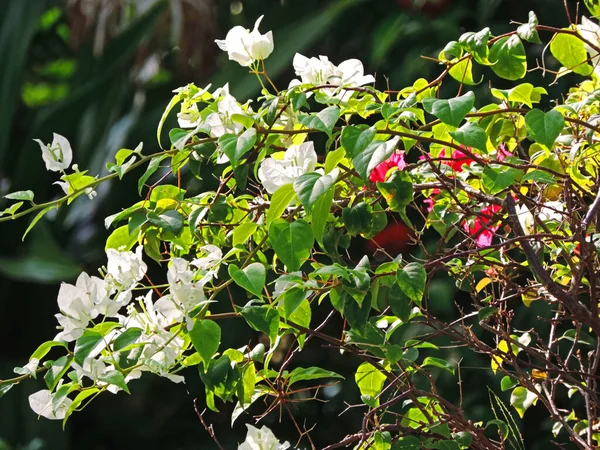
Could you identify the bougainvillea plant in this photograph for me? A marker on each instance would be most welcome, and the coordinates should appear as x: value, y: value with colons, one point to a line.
x: 510, y: 188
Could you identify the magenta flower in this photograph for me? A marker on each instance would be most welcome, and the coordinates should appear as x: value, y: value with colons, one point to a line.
x: 458, y: 160
x: 482, y: 226
x: 431, y: 200
x: 502, y: 152
x: 379, y: 173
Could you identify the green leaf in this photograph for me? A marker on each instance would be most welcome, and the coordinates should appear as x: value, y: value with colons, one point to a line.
x: 523, y: 93
x: 206, y: 338
x: 358, y: 219
x: 320, y: 214
x: 126, y: 213
x: 312, y: 186
x: 486, y: 312
x: 120, y: 239
x: 323, y: 121
x: 355, y: 140
x: 496, y: 178
x: 106, y: 327
x: 508, y: 56
x: 462, y: 71
x: 412, y: 280
x: 399, y: 303
x: 78, y: 400
x: 544, y: 128
x: 170, y: 220
x: 291, y: 300
x: 56, y: 371
x: 528, y: 31
x: 570, y: 51
x: 36, y: 219
x: 452, y: 50
x: 407, y: 443
x: 471, y: 135
x: 179, y: 137
x: 248, y: 384
x: 522, y: 398
x: 4, y: 388
x: 370, y: 380
x: 593, y: 7
x: 439, y: 363
x: 153, y: 166
x: 264, y: 319
x: 242, y: 232
x: 115, y: 378
x: 310, y: 373
x: 235, y: 146
x: 11, y: 210
x: 279, y: 201
x: 477, y: 44
x: 252, y: 278
x: 301, y: 316
x: 375, y: 153
x: 174, y: 101
x: 292, y: 242
x: 126, y: 338
x: 580, y: 337
x: 333, y: 158
x: 85, y: 344
x: 121, y: 167
x: 44, y: 348
x: 507, y: 383
x: 167, y: 191
x: 397, y: 191
x: 20, y: 195
x: 451, y: 111
x: 502, y: 427
x: 540, y: 176
x: 78, y: 183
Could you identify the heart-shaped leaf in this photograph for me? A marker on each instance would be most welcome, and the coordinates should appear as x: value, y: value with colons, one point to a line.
x: 292, y: 242
x: 311, y: 186
x: 206, y: 337
x: 508, y: 56
x: 470, y: 135
x: 252, y: 278
x: 412, y: 279
x: 543, y: 127
x: 237, y: 146
x: 451, y: 111
x: 323, y: 121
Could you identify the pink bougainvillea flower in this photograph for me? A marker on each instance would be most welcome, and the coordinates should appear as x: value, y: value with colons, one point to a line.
x: 379, y: 173
x: 482, y: 226
x: 431, y: 200
x: 457, y: 160
x: 502, y: 152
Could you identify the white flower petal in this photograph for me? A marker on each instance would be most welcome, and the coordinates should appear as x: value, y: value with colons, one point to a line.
x: 41, y: 404
x: 244, y: 46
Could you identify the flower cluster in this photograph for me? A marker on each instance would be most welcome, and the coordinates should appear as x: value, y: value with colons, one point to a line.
x: 94, y: 301
x: 297, y: 160
x: 321, y: 71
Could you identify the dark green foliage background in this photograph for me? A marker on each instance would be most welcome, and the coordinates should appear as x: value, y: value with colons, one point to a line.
x: 96, y: 105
